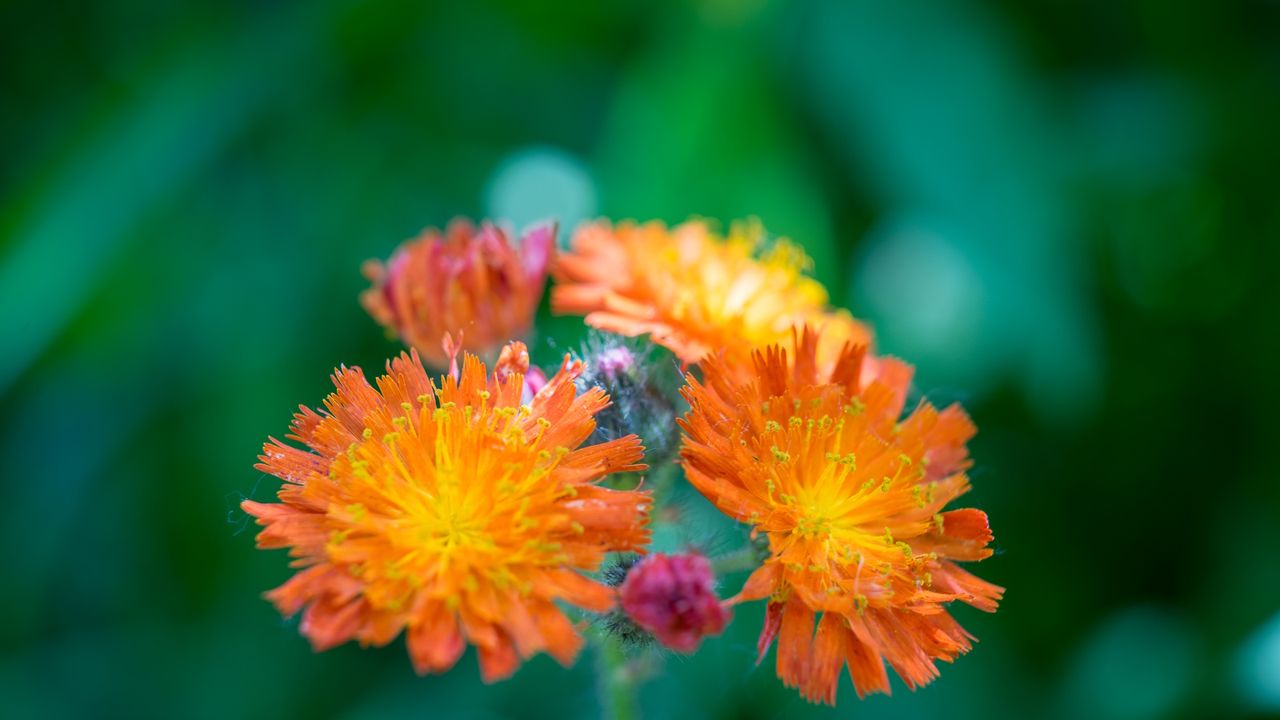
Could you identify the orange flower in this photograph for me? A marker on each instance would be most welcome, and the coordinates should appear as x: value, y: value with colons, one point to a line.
x: 454, y: 513
x: 851, y: 500
x: 469, y: 283
x: 694, y: 291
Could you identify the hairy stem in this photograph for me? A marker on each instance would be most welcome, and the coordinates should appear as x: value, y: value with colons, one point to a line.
x: 618, y: 682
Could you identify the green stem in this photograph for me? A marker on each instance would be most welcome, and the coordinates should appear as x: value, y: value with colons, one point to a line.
x: 618, y: 682
x: 747, y: 558
x: 661, y: 481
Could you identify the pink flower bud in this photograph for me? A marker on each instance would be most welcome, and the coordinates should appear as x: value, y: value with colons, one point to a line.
x: 614, y: 361
x: 673, y: 597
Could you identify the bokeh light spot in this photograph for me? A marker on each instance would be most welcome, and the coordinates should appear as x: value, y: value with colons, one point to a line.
x: 1257, y: 668
x: 1136, y: 664
x: 926, y: 299
x: 541, y: 183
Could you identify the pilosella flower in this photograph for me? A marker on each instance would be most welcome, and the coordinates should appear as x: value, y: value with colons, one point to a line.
x: 694, y: 291
x: 453, y: 512
x: 470, y: 283
x: 851, y: 497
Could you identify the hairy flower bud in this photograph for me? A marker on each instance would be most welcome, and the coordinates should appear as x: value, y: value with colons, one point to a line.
x: 673, y: 597
x: 641, y: 390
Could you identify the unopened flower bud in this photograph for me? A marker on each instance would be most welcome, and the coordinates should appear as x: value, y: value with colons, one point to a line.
x: 673, y: 597
x: 641, y: 391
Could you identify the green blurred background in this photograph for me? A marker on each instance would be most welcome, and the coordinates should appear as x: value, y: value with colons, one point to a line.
x: 1064, y: 212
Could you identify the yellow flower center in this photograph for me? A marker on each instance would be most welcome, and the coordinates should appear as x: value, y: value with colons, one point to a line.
x: 843, y: 504
x: 731, y: 288
x: 462, y: 498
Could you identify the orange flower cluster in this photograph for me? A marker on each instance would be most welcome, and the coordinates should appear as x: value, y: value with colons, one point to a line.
x: 455, y: 513
x: 696, y: 292
x: 851, y: 499
x: 469, y: 511
x: 469, y: 283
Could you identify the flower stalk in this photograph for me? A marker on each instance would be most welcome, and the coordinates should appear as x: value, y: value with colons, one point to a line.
x: 618, y: 680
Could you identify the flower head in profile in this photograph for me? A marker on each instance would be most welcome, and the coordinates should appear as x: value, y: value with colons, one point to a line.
x: 851, y: 496
x: 471, y: 283
x: 674, y: 598
x: 453, y: 512
x: 694, y: 291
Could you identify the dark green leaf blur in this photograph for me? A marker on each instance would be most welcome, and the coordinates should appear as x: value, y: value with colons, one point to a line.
x: 1066, y: 214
